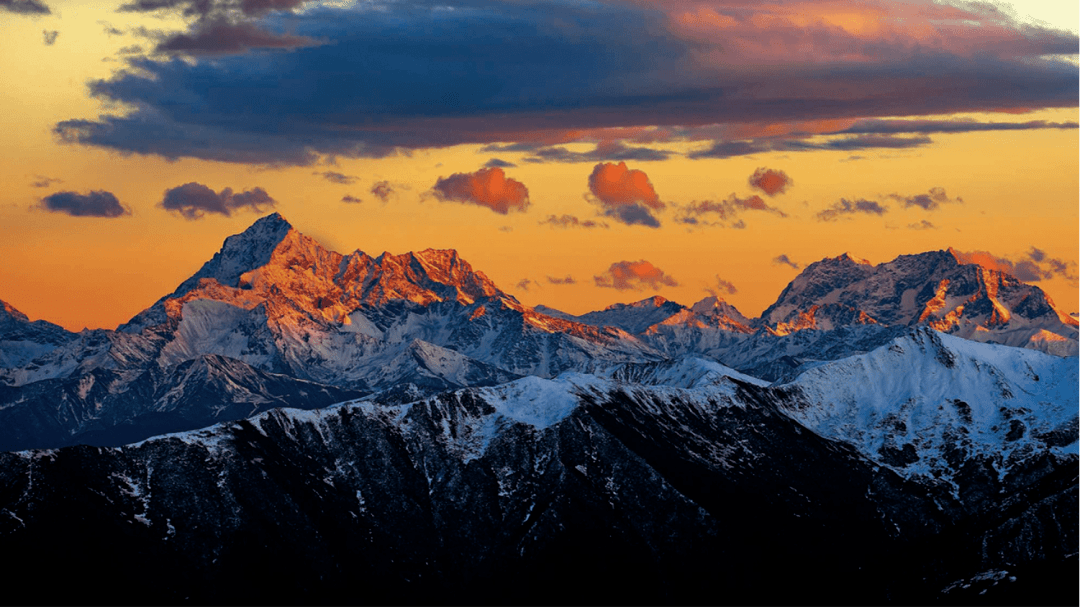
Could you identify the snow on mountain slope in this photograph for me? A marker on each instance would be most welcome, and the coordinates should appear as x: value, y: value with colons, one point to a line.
x: 22, y: 340
x: 686, y: 372
x: 928, y: 402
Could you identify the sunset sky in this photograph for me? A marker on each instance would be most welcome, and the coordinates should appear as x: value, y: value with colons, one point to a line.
x: 578, y: 153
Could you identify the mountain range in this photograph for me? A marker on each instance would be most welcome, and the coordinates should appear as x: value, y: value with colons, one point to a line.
x: 398, y: 429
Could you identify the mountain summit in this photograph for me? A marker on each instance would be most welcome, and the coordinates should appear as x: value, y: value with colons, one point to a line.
x: 935, y: 289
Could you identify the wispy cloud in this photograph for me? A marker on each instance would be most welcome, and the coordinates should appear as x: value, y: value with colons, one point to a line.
x: 717, y: 212
x: 570, y: 221
x: 566, y: 280
x: 928, y: 202
x: 784, y: 260
x: 847, y: 208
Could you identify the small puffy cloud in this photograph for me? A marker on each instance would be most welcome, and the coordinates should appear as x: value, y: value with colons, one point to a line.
x: 784, y: 260
x: 636, y: 275
x: 496, y: 162
x: 719, y: 287
x: 486, y: 187
x: 98, y: 203
x: 335, y: 177
x: 922, y: 225
x: 567, y: 280
x: 525, y: 284
x: 25, y: 7
x: 351, y: 199
x: 224, y: 38
x: 195, y: 200
x: 382, y: 190
x: 770, y: 181
x: 49, y: 37
x: 849, y: 207
x: 625, y: 194
x: 928, y: 202
x: 1033, y: 266
x: 569, y: 221
x: 697, y: 212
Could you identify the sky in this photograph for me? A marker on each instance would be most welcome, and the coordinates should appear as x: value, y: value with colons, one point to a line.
x: 579, y: 153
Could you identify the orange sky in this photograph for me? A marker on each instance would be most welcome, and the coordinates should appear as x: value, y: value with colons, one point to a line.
x: 1005, y: 192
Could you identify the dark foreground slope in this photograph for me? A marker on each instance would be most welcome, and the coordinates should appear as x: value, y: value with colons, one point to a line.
x: 570, y: 491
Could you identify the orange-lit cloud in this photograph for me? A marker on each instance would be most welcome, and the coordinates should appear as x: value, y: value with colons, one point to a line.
x: 525, y: 284
x: 770, y: 181
x: 625, y: 194
x: 636, y: 275
x: 350, y: 199
x: 567, y: 280
x: 1033, y: 266
x: 922, y: 225
x: 486, y: 187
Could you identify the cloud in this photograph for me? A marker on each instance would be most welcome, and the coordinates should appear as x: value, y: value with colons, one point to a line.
x: 502, y: 164
x: 25, y: 7
x: 625, y: 194
x: 334, y: 177
x: 849, y: 207
x: 49, y: 37
x: 195, y: 200
x: 607, y: 150
x: 784, y: 260
x: 211, y: 7
x: 1033, y: 266
x: 724, y: 210
x: 922, y: 225
x: 486, y: 187
x: 770, y: 181
x: 382, y: 190
x: 351, y: 199
x: 720, y: 287
x: 730, y: 149
x: 568, y: 280
x: 219, y: 37
x: 41, y: 181
x: 927, y: 127
x: 928, y: 202
x: 569, y: 221
x: 97, y: 203
x: 656, y: 70
x: 525, y: 284
x: 636, y: 275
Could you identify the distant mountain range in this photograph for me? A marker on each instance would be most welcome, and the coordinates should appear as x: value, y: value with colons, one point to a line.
x: 397, y: 428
